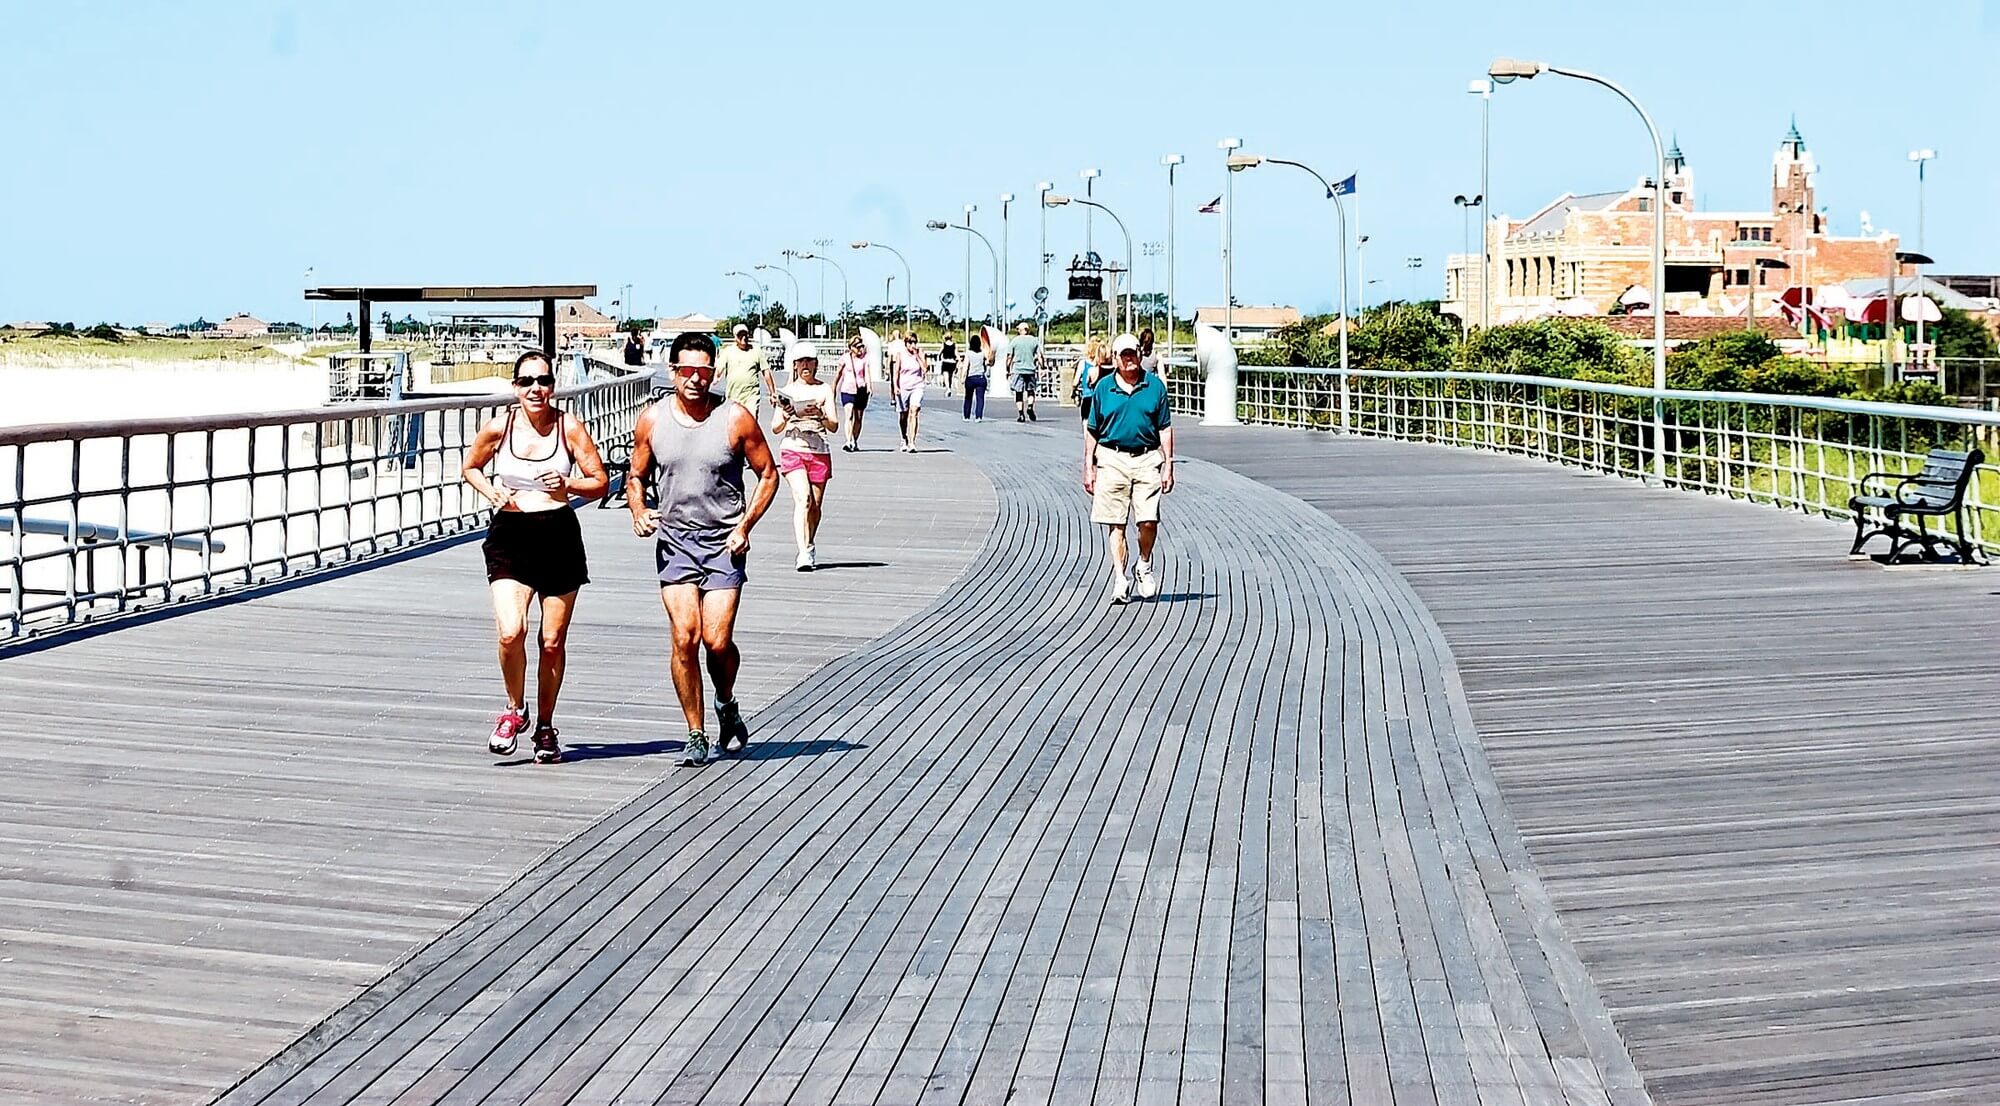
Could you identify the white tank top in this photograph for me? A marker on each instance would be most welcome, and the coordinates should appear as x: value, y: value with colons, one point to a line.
x: 524, y: 456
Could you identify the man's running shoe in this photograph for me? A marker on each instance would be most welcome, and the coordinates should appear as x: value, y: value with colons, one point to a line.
x: 806, y: 561
x: 1143, y: 583
x: 735, y: 731
x: 507, y: 732
x: 547, y: 749
x: 694, y: 751
x: 1121, y: 590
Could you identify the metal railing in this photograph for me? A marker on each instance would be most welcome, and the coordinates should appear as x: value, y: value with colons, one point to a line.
x: 109, y: 518
x: 1802, y: 453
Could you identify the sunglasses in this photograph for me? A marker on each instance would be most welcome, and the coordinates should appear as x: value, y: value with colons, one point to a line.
x: 545, y: 380
x: 694, y: 368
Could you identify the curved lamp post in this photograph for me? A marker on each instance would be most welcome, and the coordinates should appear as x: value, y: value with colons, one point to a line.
x: 1508, y: 70
x: 1057, y: 199
x: 1171, y: 161
x: 843, y: 285
x: 761, y: 291
x: 1240, y: 162
x: 909, y: 284
x: 939, y: 224
x: 792, y: 310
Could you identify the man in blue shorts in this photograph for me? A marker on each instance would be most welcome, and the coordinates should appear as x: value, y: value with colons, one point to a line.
x: 698, y: 443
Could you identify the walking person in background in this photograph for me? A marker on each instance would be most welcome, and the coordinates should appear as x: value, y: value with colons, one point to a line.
x: 909, y: 383
x: 1149, y: 360
x: 698, y: 444
x: 1128, y: 464
x: 534, y: 546
x: 806, y: 413
x: 1089, y: 366
x: 850, y: 384
x: 978, y: 364
x: 744, y: 375
x: 635, y: 350
x: 948, y: 361
x: 1024, y: 360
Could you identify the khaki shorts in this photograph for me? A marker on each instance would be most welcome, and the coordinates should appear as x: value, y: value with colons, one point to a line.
x: 1128, y: 487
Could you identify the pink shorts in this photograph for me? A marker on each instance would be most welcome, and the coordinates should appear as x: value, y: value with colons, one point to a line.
x: 818, y: 466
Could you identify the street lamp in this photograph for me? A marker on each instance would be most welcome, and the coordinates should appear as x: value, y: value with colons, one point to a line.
x: 939, y: 224
x: 1465, y: 206
x: 1920, y: 157
x: 1042, y: 189
x: 792, y: 311
x: 761, y: 292
x: 1238, y: 163
x: 1484, y: 90
x: 909, y: 284
x: 1229, y: 146
x: 1056, y: 199
x: 1170, y: 161
x: 843, y: 285
x: 1506, y: 71
x: 1006, y: 273
x: 315, y: 307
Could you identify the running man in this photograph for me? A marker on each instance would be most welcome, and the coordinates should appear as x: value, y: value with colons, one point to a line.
x: 1024, y: 358
x: 745, y: 377
x: 806, y: 414
x: 699, y: 444
x: 534, y: 545
x: 1128, y: 463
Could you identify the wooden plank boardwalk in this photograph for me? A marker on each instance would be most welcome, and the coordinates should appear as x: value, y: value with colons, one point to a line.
x: 1761, y: 782
x: 1238, y: 845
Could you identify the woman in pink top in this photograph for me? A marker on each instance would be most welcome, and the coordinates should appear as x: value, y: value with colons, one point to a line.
x: 910, y: 366
x: 850, y: 383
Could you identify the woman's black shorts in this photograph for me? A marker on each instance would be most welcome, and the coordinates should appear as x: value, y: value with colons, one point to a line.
x: 542, y: 549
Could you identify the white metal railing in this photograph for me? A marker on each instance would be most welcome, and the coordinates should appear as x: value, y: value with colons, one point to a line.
x: 1804, y: 453
x: 108, y: 518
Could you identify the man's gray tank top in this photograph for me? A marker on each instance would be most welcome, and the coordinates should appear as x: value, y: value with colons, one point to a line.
x: 700, y: 481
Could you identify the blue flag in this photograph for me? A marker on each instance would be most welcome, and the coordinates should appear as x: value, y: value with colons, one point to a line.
x: 1346, y: 187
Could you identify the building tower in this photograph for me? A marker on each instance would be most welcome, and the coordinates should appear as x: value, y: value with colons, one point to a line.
x: 1792, y: 172
x: 1680, y: 182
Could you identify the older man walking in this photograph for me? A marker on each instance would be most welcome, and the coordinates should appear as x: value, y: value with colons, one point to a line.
x: 1128, y: 464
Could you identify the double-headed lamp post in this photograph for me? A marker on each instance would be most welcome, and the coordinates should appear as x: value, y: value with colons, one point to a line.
x: 1229, y: 146
x: 843, y: 284
x: 1508, y: 70
x: 940, y: 224
x: 908, y: 284
x: 1240, y: 162
x: 1465, y: 206
x: 792, y: 309
x: 1057, y: 199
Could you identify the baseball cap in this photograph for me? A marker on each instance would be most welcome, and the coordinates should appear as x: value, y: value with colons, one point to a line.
x: 801, y: 351
x: 1122, y: 343
x: 739, y: 328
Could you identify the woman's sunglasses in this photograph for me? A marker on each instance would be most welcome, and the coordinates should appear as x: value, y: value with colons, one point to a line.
x: 546, y: 380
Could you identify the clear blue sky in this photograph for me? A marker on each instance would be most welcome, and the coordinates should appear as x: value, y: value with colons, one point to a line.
x: 163, y: 166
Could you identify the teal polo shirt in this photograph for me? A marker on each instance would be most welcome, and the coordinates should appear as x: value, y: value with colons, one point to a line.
x: 1130, y: 421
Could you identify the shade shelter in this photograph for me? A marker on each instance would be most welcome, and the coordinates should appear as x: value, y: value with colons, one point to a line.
x: 365, y: 296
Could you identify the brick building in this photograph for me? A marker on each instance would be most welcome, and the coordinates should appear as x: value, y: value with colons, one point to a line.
x: 1585, y: 254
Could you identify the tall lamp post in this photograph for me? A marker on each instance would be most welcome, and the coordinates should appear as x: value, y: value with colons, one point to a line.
x: 1921, y: 157
x: 1229, y: 146
x: 909, y: 284
x: 940, y: 224
x: 314, y: 333
x: 1042, y: 189
x: 1238, y: 163
x: 1171, y: 161
x: 1507, y: 70
x: 1484, y: 90
x: 843, y: 284
x: 792, y: 311
x: 1465, y: 206
x: 1057, y: 199
x: 1006, y: 274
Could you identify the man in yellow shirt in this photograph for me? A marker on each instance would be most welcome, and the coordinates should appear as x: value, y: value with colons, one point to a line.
x: 742, y: 372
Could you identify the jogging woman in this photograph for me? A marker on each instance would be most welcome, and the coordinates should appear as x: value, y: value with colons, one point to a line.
x: 805, y: 415
x: 534, y: 546
x: 850, y: 381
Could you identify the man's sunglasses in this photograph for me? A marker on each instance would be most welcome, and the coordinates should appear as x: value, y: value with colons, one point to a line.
x: 694, y: 368
x: 546, y: 380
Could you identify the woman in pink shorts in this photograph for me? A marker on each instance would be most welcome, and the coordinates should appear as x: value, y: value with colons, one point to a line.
x: 806, y: 412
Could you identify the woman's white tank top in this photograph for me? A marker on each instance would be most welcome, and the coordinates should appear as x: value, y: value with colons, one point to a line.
x: 524, y: 456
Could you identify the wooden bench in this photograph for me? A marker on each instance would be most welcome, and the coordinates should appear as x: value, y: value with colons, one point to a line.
x: 1937, y: 490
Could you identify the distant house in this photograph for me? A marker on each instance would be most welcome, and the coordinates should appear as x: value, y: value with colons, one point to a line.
x: 666, y: 330
x: 1253, y: 324
x: 241, y: 325
x: 29, y: 327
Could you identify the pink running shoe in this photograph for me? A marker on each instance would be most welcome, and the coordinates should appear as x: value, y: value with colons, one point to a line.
x: 507, y: 732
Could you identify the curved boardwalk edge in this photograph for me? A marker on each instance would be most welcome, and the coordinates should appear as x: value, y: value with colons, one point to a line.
x: 1237, y: 845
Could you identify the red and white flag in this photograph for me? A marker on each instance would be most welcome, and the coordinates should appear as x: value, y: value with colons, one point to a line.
x: 1212, y: 207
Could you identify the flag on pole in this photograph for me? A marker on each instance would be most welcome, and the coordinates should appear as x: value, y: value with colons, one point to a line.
x: 1346, y: 187
x: 1212, y: 207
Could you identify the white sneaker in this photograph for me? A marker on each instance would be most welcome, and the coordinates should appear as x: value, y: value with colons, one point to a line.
x: 807, y: 562
x: 1121, y: 590
x: 1143, y: 582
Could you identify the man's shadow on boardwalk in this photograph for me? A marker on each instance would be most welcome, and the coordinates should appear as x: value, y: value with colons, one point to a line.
x: 758, y: 750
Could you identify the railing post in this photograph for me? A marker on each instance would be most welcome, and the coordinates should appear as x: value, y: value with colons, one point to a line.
x: 1346, y: 421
